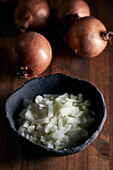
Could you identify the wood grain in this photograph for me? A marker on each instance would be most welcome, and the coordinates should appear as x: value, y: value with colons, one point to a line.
x: 99, y: 71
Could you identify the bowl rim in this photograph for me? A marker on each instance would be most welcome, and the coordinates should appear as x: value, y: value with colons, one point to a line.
x: 64, y: 151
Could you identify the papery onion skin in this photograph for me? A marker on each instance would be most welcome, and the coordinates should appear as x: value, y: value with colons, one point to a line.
x: 31, y: 53
x: 31, y: 14
x: 71, y: 7
x: 69, y: 10
x: 85, y: 37
x: 65, y: 12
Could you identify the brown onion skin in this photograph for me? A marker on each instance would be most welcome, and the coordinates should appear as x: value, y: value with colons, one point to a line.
x: 31, y: 14
x: 85, y: 37
x: 78, y: 7
x: 30, y: 52
x: 66, y: 12
x: 63, y: 8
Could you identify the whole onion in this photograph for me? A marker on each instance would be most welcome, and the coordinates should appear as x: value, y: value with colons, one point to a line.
x: 87, y: 37
x: 69, y: 10
x: 30, y: 54
x: 31, y: 14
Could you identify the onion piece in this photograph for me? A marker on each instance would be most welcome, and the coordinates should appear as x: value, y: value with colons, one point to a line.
x: 61, y: 129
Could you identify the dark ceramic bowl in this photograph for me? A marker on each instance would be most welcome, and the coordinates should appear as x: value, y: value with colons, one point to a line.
x: 56, y: 84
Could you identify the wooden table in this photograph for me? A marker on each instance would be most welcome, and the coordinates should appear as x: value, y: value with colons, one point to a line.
x: 99, y: 71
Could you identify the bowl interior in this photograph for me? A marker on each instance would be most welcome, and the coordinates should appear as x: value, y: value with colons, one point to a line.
x: 59, y: 84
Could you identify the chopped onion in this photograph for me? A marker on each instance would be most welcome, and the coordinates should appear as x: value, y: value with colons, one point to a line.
x: 56, y: 121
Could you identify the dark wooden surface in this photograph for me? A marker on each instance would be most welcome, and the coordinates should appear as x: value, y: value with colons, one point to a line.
x: 99, y: 71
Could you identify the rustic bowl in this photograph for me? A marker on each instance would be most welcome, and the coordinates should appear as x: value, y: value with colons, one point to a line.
x: 56, y: 84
